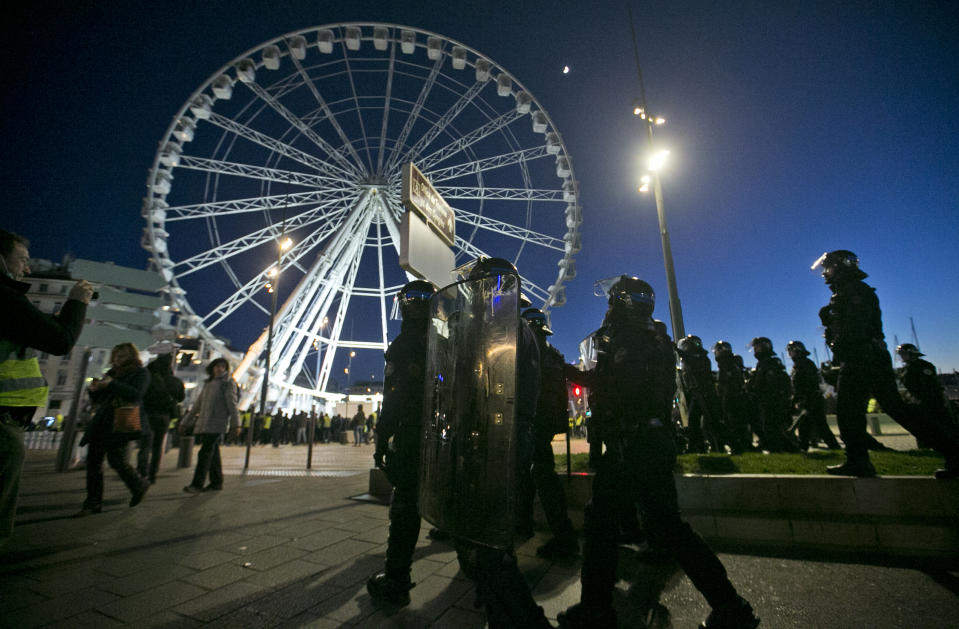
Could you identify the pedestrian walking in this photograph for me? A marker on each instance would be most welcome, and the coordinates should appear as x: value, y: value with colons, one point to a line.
x: 213, y: 414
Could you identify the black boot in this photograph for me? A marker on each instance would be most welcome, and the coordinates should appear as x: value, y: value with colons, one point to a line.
x: 853, y: 467
x: 389, y: 590
x: 739, y: 615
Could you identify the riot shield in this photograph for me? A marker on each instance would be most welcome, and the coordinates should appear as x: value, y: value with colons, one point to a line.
x: 467, y: 464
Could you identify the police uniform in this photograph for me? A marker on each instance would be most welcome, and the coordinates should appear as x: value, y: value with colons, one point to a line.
x: 770, y: 387
x: 551, y: 418
x: 637, y: 375
x: 705, y: 427
x: 925, y: 392
x: 731, y: 390
x: 853, y: 329
x: 400, y: 421
x: 808, y: 400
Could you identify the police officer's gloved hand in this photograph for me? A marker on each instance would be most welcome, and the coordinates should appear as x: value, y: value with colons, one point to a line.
x: 379, y: 458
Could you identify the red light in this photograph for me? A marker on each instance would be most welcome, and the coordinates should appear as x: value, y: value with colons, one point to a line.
x: 576, y: 391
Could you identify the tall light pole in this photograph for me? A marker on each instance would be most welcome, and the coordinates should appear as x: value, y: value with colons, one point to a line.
x: 273, y: 287
x: 640, y: 109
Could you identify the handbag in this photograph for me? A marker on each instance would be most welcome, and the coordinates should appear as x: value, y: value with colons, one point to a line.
x: 126, y: 419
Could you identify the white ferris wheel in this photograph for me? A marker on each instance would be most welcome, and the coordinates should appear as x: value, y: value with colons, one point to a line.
x: 283, y: 171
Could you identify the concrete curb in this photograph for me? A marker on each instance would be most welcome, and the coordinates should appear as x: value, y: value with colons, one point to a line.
x: 904, y: 516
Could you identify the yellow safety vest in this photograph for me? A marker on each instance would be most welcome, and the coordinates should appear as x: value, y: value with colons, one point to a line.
x: 22, y: 383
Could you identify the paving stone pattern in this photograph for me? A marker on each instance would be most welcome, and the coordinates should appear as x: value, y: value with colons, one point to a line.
x: 296, y: 550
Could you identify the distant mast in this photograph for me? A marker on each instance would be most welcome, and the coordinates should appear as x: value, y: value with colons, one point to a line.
x: 915, y: 337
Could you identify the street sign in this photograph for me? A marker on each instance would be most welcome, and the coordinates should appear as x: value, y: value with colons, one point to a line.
x: 423, y: 252
x: 421, y: 197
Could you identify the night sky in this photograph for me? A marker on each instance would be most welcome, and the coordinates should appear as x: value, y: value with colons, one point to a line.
x: 794, y: 128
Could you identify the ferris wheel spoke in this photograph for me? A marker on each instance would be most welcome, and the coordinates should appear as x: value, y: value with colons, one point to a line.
x: 469, y: 139
x: 282, y: 148
x: 387, y: 97
x: 304, y: 129
x: 323, y: 278
x: 507, y: 229
x: 245, y: 293
x: 298, y: 348
x: 440, y: 125
x: 358, y: 109
x: 413, y: 115
x: 320, y: 199
x: 485, y: 164
x: 505, y: 194
x: 328, y: 113
x: 262, y: 236
x: 274, y: 175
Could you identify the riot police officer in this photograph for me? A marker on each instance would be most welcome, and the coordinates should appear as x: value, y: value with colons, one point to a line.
x: 551, y: 419
x: 636, y: 373
x: 479, y: 436
x: 924, y: 390
x: 770, y: 387
x: 853, y: 329
x: 807, y: 400
x: 731, y: 391
x: 704, y: 427
x: 400, y: 421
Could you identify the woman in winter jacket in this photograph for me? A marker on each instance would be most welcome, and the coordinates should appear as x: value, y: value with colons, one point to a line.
x: 124, y: 385
x: 212, y: 415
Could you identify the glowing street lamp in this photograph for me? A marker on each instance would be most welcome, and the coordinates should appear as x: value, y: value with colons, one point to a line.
x: 272, y: 287
x: 656, y: 161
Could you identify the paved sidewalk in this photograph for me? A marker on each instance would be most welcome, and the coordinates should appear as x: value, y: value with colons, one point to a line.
x: 283, y: 548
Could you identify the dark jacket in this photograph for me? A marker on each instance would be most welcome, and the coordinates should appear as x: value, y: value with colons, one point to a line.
x: 23, y: 326
x: 165, y: 390
x: 805, y: 380
x: 853, y: 321
x: 124, y: 390
x: 552, y: 410
x: 922, y: 385
x: 635, y: 375
x: 403, y: 388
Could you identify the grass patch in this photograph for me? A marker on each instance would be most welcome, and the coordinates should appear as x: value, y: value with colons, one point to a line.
x: 895, y: 463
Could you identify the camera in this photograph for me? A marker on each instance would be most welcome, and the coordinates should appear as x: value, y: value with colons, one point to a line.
x: 95, y: 295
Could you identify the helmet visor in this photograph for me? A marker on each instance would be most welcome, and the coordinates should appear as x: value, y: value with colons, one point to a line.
x: 820, y: 262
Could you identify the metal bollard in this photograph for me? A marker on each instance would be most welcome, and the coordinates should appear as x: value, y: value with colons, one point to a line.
x: 185, y: 458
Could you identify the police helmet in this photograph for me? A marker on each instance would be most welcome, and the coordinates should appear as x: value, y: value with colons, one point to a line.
x: 660, y: 327
x: 414, y: 298
x: 762, y: 347
x: 690, y: 344
x: 634, y: 293
x: 722, y: 348
x: 536, y: 319
x: 908, y: 351
x: 796, y: 347
x: 837, y: 264
x: 491, y: 266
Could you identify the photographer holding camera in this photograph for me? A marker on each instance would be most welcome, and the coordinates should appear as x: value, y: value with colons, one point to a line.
x: 22, y: 387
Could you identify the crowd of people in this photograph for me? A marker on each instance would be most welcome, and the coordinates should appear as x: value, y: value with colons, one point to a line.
x: 634, y: 434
